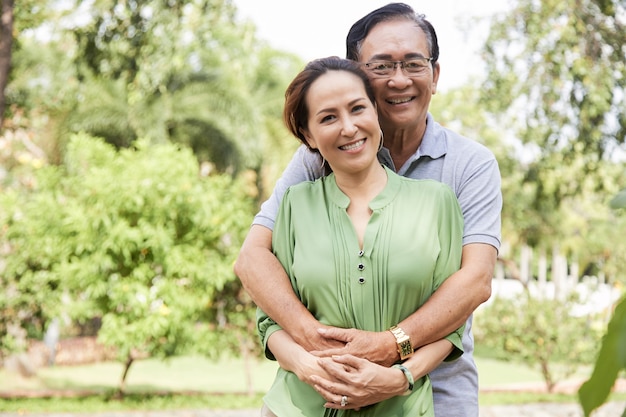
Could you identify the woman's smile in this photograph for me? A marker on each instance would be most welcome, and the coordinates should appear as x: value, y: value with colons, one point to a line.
x: 352, y: 146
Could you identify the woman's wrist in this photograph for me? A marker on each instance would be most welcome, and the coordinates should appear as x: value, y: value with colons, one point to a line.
x: 408, y: 379
x: 304, y: 365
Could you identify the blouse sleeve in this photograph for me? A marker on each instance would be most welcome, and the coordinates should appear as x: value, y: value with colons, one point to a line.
x: 449, y: 260
x: 283, y: 247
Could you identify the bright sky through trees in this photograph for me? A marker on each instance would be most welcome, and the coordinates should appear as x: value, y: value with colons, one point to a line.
x: 316, y: 29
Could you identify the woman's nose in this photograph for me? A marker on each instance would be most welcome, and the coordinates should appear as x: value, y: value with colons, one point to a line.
x: 349, y: 128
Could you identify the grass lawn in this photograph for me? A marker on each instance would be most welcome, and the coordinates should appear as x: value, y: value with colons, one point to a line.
x: 155, y: 384
x: 177, y: 374
x: 199, y: 374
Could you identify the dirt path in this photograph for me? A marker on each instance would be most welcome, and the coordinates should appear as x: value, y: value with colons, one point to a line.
x: 611, y: 409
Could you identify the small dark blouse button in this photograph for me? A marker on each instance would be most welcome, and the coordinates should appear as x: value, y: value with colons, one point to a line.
x: 361, y: 280
x: 361, y: 267
x: 360, y: 253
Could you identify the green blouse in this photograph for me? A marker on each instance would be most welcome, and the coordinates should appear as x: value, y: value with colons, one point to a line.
x: 412, y: 243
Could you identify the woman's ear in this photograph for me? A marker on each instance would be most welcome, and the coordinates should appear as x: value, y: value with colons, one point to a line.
x: 308, y: 138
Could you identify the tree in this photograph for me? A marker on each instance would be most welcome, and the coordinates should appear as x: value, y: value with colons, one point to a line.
x: 137, y: 238
x: 557, y: 69
x: 555, y: 79
x: 457, y: 110
x: 184, y: 71
x: 14, y: 19
x: 525, y: 329
x: 6, y: 46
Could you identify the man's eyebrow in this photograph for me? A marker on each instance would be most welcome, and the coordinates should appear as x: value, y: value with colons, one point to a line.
x: 387, y: 57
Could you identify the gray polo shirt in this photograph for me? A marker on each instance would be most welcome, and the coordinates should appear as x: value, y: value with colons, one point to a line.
x: 471, y: 170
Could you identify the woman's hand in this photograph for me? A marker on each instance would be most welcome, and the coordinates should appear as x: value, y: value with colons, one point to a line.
x: 307, y: 367
x: 294, y: 358
x: 360, y: 381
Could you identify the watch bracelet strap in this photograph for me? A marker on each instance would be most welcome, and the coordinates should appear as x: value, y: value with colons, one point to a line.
x: 409, y: 377
x: 399, y: 334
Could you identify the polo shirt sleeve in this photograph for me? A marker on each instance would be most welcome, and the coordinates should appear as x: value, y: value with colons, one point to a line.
x: 304, y: 166
x: 480, y: 197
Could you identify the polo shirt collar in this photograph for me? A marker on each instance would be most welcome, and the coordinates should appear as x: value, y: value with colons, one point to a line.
x: 434, y: 144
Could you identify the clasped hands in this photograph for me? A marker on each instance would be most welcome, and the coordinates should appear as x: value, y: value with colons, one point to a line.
x: 354, y: 363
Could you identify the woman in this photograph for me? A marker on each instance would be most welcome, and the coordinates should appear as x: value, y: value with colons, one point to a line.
x: 349, y: 250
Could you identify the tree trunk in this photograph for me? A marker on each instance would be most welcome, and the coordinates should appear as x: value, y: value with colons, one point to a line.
x: 6, y: 44
x: 122, y: 388
x: 244, y: 349
x: 547, y: 375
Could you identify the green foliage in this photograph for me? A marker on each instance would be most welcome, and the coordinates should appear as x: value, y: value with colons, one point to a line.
x: 135, y: 237
x: 611, y: 360
x: 457, y: 110
x: 612, y: 356
x: 581, y: 226
x: 146, y: 71
x: 181, y: 71
x: 555, y: 72
x: 619, y: 201
x: 538, y: 332
x: 28, y: 14
x: 555, y: 83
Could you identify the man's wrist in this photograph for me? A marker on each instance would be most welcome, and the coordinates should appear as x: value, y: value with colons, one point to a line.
x: 304, y: 332
x: 301, y: 335
x: 403, y: 342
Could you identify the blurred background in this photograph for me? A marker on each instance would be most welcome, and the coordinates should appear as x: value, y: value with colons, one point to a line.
x: 138, y: 138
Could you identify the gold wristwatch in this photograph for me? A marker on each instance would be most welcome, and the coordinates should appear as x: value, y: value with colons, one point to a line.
x: 404, y: 342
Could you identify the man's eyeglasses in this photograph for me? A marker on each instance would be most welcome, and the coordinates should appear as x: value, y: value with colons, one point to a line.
x: 413, y: 66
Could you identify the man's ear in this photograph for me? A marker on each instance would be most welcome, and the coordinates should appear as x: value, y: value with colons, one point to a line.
x: 436, y: 72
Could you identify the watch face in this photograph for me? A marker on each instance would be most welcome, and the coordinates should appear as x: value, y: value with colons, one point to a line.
x: 405, y: 349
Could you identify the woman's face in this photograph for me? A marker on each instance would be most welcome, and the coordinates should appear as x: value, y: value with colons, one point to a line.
x: 342, y: 122
x: 402, y: 99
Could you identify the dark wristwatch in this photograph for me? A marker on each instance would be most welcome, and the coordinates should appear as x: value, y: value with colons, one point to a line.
x: 405, y: 349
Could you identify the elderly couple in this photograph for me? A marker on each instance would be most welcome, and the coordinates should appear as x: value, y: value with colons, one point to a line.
x: 379, y: 240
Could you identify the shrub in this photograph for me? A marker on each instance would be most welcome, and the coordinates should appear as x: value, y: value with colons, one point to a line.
x: 538, y: 332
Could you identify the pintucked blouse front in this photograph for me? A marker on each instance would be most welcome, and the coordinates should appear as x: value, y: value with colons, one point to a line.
x: 412, y: 243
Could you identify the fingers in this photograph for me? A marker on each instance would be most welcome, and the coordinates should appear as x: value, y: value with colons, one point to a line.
x: 329, y: 352
x: 329, y: 392
x: 372, y: 346
x: 340, y: 372
x: 347, y: 401
x: 336, y: 333
x: 350, y: 360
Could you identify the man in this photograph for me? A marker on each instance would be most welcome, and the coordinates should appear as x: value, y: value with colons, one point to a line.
x: 391, y: 42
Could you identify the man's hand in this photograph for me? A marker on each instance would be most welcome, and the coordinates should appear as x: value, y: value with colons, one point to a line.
x: 313, y: 340
x: 362, y: 382
x: 376, y: 347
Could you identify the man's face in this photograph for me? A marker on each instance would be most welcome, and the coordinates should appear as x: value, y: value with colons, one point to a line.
x: 402, y: 98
